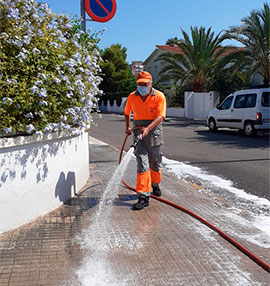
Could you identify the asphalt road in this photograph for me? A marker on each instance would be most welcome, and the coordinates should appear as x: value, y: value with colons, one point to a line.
x: 227, y: 153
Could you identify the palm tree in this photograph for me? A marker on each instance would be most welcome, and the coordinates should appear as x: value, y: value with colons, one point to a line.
x: 254, y: 34
x: 202, y: 58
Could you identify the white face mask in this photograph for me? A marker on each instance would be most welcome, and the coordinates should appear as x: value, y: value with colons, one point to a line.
x: 143, y: 90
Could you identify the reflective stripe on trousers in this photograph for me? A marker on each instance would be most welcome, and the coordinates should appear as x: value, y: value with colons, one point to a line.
x: 148, y: 167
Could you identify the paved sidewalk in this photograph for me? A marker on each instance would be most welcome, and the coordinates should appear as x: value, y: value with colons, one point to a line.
x: 94, y: 241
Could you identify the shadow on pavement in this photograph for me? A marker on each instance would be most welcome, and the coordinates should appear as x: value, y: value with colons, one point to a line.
x: 233, y: 138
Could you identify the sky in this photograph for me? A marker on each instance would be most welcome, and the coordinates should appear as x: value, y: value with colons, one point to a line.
x: 140, y: 25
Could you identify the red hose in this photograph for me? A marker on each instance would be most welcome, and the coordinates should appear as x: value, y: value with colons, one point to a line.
x: 255, y: 258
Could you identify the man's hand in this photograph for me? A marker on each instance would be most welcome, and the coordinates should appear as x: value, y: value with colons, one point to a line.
x: 128, y: 131
x: 127, y: 120
x: 145, y: 131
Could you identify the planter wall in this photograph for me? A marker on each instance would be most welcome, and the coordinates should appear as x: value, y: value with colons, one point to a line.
x: 37, y: 174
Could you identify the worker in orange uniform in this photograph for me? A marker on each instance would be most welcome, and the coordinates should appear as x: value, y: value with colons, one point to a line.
x: 149, y: 110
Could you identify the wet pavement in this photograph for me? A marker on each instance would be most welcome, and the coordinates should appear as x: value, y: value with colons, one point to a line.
x: 89, y: 241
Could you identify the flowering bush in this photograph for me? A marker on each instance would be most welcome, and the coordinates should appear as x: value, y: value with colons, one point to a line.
x: 48, y: 70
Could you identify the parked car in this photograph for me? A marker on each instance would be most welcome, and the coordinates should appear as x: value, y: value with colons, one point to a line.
x: 247, y: 110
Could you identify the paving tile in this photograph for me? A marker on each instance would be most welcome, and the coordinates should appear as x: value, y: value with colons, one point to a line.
x: 156, y: 246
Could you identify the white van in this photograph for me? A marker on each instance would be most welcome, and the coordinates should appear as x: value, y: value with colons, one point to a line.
x: 244, y: 109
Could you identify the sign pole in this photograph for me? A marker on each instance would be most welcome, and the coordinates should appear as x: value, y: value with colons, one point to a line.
x: 83, y: 16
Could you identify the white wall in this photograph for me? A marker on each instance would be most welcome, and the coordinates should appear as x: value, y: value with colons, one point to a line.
x: 114, y: 108
x: 38, y: 175
x: 173, y: 112
x: 198, y: 105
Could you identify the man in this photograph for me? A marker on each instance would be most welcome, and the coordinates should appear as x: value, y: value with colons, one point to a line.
x: 149, y: 110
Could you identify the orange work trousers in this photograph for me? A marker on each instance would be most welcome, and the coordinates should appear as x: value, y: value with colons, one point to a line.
x: 148, y: 168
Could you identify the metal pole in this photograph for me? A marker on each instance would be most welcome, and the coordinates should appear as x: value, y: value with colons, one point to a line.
x: 83, y: 16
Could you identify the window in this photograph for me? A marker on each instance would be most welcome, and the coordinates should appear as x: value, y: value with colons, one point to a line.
x: 227, y: 103
x: 266, y: 99
x: 251, y: 100
x: 239, y: 101
x: 245, y: 100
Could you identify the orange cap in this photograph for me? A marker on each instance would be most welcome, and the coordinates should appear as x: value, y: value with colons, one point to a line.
x: 144, y: 76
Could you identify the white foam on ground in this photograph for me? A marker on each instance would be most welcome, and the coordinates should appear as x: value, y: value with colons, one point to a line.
x: 183, y: 170
x: 261, y: 222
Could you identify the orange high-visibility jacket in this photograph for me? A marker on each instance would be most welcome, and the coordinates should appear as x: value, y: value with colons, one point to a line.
x: 154, y: 105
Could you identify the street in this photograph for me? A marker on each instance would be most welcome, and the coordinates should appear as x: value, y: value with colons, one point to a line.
x: 227, y: 154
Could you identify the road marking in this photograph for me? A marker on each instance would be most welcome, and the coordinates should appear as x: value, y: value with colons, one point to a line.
x: 94, y: 141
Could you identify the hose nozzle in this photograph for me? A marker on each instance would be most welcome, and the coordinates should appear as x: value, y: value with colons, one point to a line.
x: 138, y: 138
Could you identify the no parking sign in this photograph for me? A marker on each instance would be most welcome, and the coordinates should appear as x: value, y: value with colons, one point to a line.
x: 100, y: 10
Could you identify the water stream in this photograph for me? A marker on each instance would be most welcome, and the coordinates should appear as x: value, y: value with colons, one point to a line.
x: 98, y: 240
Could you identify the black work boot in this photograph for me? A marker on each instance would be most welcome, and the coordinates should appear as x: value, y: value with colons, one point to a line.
x: 141, y: 203
x: 156, y: 191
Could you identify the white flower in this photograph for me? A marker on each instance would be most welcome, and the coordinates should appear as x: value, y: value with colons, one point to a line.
x: 68, y: 26
x: 4, y: 35
x: 17, y: 43
x: 7, y: 101
x: 77, y: 56
x: 88, y: 60
x: 54, y: 44
x: 69, y: 94
x: 46, y: 9
x: 29, y: 115
x: 8, y: 130
x: 62, y: 39
x: 43, y: 93
x: 48, y: 129
x: 38, y: 82
x: 21, y: 56
x: 70, y: 63
x: 72, y: 70
x: 13, y: 14
x: 35, y: 50
x: 52, y: 26
x: 34, y: 89
x: 43, y: 102
x: 79, y: 83
x: 30, y: 128
x: 64, y: 78
x: 27, y: 39
x: 39, y: 133
x: 12, y: 81
x: 57, y: 80
x: 36, y: 16
x: 42, y: 76
x: 81, y: 91
x: 40, y: 33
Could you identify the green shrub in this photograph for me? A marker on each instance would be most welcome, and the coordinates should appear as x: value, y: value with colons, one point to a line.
x: 48, y: 70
